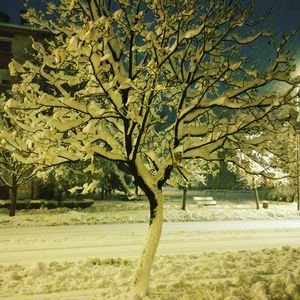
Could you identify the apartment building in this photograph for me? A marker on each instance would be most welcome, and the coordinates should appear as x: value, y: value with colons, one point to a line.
x: 15, y: 42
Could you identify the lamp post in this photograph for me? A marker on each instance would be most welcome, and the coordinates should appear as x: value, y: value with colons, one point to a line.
x: 295, y: 119
x: 298, y: 175
x: 298, y: 147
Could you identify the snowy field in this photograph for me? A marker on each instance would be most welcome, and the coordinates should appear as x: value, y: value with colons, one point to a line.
x: 110, y: 212
x: 255, y: 258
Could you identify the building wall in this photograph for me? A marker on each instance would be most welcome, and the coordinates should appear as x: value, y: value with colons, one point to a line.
x: 20, y: 43
x: 15, y: 42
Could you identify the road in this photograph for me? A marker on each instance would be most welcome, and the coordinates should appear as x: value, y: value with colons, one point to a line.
x: 72, y: 243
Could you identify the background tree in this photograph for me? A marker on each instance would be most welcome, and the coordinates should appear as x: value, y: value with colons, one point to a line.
x: 14, y: 172
x: 288, y: 163
x: 223, y: 180
x: 102, y: 174
x: 67, y: 176
x: 260, y: 171
x: 148, y: 85
x: 191, y: 171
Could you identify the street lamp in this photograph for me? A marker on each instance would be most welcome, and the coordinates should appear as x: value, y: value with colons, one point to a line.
x: 298, y: 147
x: 295, y: 118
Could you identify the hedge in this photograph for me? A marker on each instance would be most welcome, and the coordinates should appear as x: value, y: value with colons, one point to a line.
x: 36, y: 204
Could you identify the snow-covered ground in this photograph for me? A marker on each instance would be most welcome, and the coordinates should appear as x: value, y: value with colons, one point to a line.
x: 265, y: 274
x: 200, y: 260
x: 258, y: 258
x: 109, y: 212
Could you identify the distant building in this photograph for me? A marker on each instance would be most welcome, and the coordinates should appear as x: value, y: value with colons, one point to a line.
x: 15, y: 42
x: 4, y: 18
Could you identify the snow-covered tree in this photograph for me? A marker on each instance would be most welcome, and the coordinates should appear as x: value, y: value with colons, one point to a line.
x: 148, y: 85
x: 260, y: 171
x: 74, y: 177
x: 14, y: 172
x: 191, y: 171
x: 289, y: 160
x: 69, y: 176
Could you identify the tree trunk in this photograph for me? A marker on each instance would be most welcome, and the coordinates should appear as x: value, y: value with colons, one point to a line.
x: 102, y: 193
x: 256, y: 198
x: 142, y: 275
x: 59, y: 198
x: 14, y: 194
x: 184, y: 197
x: 136, y: 191
x: 32, y: 189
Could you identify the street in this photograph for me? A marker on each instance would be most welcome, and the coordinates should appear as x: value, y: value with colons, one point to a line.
x: 73, y: 243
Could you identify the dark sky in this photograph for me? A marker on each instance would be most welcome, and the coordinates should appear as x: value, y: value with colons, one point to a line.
x: 13, y: 7
x: 284, y: 17
x: 285, y: 14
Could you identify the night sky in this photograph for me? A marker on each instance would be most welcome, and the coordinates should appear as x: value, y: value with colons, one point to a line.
x: 285, y: 14
x: 13, y: 8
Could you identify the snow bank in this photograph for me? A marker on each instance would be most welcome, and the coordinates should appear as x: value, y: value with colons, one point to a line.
x: 109, y: 212
x: 265, y: 274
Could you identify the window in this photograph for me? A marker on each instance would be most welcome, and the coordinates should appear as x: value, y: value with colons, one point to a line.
x: 5, y: 54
